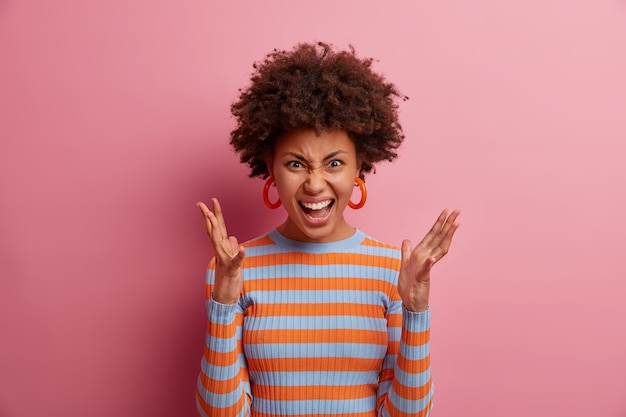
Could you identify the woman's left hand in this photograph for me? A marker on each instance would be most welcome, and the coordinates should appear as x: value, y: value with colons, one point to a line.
x: 414, y: 279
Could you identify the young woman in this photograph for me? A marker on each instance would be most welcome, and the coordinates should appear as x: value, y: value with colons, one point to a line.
x: 316, y: 318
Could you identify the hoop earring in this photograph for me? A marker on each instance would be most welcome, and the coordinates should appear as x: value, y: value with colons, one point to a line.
x: 266, y: 194
x: 361, y: 203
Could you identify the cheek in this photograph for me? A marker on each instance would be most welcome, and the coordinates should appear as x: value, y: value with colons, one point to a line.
x: 345, y: 187
x: 286, y: 186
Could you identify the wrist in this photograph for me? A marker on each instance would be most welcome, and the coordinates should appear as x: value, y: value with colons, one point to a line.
x: 416, y: 308
x: 221, y: 299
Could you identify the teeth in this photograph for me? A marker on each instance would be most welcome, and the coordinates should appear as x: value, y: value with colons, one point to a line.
x: 317, y: 206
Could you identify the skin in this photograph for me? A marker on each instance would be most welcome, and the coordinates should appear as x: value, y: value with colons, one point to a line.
x: 311, y: 169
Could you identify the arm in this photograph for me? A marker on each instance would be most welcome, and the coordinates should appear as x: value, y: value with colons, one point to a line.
x: 405, y: 387
x: 223, y: 385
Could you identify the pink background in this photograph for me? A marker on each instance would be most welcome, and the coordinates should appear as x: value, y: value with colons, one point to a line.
x: 114, y: 121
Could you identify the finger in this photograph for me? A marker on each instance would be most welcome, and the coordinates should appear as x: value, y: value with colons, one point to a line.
x: 234, y: 244
x: 445, y: 229
x: 203, y: 208
x: 238, y: 258
x: 406, y: 251
x: 436, y: 229
x: 218, y: 219
x: 223, y: 247
x: 216, y: 232
x: 219, y: 215
x: 444, y: 245
x: 205, y: 216
x: 447, y: 240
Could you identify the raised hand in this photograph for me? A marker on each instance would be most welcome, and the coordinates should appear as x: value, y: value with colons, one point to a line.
x: 414, y: 279
x: 228, y: 255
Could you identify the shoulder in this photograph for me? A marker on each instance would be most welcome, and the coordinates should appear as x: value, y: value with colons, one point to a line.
x: 376, y: 247
x: 262, y: 240
x: 263, y: 245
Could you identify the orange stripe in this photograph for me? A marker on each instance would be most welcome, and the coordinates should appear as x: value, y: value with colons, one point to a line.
x: 243, y: 375
x: 397, y: 413
x: 411, y: 393
x: 220, y: 358
x: 316, y: 336
x: 316, y: 309
x: 394, y: 320
x: 314, y: 364
x: 414, y: 366
x: 394, y: 348
x: 364, y: 414
x: 219, y: 386
x: 314, y: 392
x: 217, y: 412
x: 265, y: 240
x: 386, y: 375
x: 221, y: 331
x: 276, y: 259
x: 417, y: 338
x: 370, y: 242
x: 318, y: 284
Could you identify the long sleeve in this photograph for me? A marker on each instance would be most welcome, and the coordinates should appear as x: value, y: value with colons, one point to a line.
x: 325, y: 333
x: 406, y: 387
x: 223, y: 386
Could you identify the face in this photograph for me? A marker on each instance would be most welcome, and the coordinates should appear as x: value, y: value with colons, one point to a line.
x: 314, y: 177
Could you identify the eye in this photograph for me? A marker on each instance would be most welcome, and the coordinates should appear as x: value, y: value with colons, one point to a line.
x: 335, y: 163
x: 294, y: 164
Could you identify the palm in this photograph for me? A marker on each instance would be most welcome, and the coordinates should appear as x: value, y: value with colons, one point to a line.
x: 414, y: 279
x: 228, y: 255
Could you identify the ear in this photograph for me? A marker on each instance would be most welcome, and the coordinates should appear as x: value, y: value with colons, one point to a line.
x: 270, y: 167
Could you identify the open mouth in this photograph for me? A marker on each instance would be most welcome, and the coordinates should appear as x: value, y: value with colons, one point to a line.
x: 317, y: 211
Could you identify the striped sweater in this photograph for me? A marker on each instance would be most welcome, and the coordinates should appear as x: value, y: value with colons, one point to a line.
x: 319, y: 330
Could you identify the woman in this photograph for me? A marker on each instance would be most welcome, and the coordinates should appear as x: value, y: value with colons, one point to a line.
x: 315, y: 317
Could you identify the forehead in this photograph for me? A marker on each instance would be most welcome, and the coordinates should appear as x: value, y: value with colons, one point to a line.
x: 313, y: 146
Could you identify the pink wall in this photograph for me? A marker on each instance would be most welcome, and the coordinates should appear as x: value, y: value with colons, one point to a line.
x: 114, y: 121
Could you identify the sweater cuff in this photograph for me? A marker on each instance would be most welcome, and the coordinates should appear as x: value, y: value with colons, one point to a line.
x: 221, y: 313
x: 415, y: 322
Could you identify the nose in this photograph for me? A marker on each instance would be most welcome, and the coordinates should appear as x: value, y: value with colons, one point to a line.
x: 315, y: 181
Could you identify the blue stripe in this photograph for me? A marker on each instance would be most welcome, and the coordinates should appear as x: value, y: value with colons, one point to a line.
x: 200, y: 410
x: 409, y: 406
x: 221, y: 313
x: 322, y: 407
x: 414, y: 352
x: 394, y: 334
x: 416, y: 322
x: 273, y: 249
x: 320, y: 297
x: 220, y: 345
x: 314, y: 377
x: 412, y: 380
x: 219, y: 400
x: 315, y: 323
x: 338, y: 271
x: 219, y: 373
x: 390, y: 361
x: 383, y: 387
x: 315, y: 350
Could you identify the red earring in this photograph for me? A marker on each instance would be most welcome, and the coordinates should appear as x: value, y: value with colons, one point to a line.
x: 266, y: 194
x: 361, y: 203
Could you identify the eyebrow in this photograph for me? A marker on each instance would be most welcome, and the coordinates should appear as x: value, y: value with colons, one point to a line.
x: 303, y: 159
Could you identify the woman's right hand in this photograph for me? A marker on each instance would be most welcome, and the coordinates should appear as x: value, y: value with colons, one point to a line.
x: 229, y: 254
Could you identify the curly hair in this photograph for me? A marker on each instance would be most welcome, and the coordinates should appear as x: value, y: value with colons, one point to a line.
x: 316, y: 87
